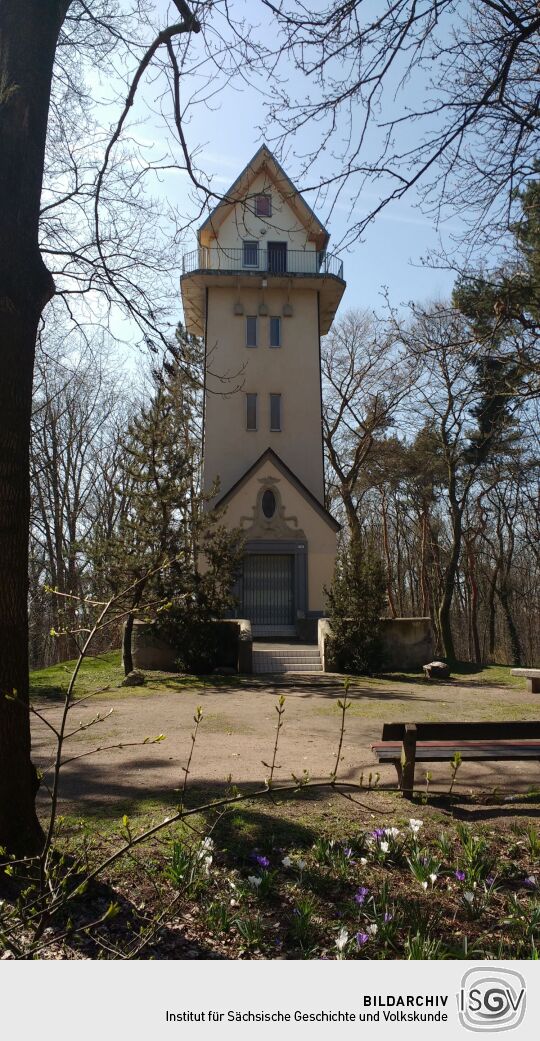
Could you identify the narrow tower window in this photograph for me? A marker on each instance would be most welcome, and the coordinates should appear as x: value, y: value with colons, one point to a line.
x: 251, y: 254
x: 251, y: 330
x: 275, y: 412
x: 251, y: 411
x: 275, y: 332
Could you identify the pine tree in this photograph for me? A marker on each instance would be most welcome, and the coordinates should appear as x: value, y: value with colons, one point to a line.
x: 167, y: 550
x: 356, y: 600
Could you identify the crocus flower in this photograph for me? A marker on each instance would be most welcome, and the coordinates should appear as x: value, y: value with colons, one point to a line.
x: 392, y: 832
x: 361, y: 894
x: 530, y: 882
x: 286, y: 862
x: 301, y: 864
x: 433, y: 879
x: 384, y: 847
x: 373, y: 929
x: 347, y: 851
x: 254, y: 881
x: 460, y: 875
x: 468, y: 896
x: 263, y: 862
x: 363, y: 861
x: 341, y: 941
x: 361, y: 939
x: 415, y: 825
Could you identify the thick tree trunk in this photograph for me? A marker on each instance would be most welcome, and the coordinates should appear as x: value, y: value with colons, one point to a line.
x: 28, y: 35
x: 127, y: 652
x: 449, y: 579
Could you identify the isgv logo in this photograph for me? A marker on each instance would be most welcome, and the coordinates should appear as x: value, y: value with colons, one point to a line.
x: 491, y: 999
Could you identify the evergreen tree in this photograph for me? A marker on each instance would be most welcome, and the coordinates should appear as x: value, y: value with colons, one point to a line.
x: 167, y: 549
x: 356, y: 600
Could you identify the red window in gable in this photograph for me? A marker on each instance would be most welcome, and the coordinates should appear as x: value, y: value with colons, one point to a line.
x: 263, y: 205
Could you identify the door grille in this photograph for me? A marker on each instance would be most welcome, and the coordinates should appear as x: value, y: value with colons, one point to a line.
x: 268, y: 588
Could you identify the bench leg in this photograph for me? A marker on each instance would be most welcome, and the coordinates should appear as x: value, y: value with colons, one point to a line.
x: 533, y: 685
x: 408, y: 761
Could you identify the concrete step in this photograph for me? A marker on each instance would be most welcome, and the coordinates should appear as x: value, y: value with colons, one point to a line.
x: 267, y: 669
x: 285, y: 658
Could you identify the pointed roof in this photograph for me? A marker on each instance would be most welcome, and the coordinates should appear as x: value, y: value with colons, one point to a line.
x: 264, y: 160
x: 270, y: 456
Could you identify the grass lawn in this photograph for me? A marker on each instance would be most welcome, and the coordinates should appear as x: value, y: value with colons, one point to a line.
x: 105, y: 671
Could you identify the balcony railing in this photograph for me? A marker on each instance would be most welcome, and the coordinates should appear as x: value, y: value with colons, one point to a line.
x: 271, y: 261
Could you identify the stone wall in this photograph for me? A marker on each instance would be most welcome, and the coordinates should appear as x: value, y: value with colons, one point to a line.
x: 152, y: 653
x: 407, y: 643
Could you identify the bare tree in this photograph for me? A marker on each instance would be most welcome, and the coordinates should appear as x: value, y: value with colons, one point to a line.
x: 434, y: 95
x: 365, y: 378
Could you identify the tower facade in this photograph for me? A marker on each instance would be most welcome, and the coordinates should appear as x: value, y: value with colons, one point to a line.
x: 262, y: 289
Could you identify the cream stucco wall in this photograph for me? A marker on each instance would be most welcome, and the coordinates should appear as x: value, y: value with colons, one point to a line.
x: 292, y: 370
x: 242, y: 223
x: 300, y: 520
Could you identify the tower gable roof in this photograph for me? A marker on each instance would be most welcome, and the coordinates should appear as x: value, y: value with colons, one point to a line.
x: 270, y: 456
x: 264, y: 161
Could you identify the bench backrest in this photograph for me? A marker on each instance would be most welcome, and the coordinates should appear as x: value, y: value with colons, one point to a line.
x: 515, y: 730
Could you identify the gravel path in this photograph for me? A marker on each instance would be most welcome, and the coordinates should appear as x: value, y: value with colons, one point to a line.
x: 238, y: 729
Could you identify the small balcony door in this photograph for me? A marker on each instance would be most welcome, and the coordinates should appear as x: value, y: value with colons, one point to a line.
x: 277, y: 257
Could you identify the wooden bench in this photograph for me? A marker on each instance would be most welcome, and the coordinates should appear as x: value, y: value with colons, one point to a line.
x: 405, y: 744
x: 532, y: 676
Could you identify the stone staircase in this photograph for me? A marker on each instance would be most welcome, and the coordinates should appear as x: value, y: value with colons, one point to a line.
x: 286, y: 657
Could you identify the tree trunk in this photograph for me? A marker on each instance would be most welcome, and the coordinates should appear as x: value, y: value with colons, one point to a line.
x: 450, y: 573
x: 473, y: 585
x: 127, y: 653
x: 389, y: 570
x: 516, y: 653
x: 28, y: 35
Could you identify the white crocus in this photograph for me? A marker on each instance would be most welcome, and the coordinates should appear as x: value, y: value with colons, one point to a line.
x: 341, y: 941
x: 433, y: 879
x: 415, y: 825
x: 254, y: 881
x: 392, y: 832
x: 424, y: 885
x: 468, y: 896
x: 363, y: 861
x: 301, y: 864
x: 286, y: 861
x: 384, y: 847
x: 373, y: 929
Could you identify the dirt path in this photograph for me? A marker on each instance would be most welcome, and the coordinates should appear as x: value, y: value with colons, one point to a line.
x: 238, y: 731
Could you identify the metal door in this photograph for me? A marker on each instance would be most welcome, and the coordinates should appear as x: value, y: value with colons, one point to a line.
x: 277, y: 257
x: 268, y: 588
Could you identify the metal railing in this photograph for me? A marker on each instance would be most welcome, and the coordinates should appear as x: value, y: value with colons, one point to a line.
x: 269, y: 261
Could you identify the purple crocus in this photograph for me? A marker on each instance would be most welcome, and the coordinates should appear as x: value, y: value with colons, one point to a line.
x: 361, y: 894
x: 388, y: 917
x: 361, y: 939
x: 347, y: 852
x: 460, y: 875
x: 263, y: 862
x: 379, y: 833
